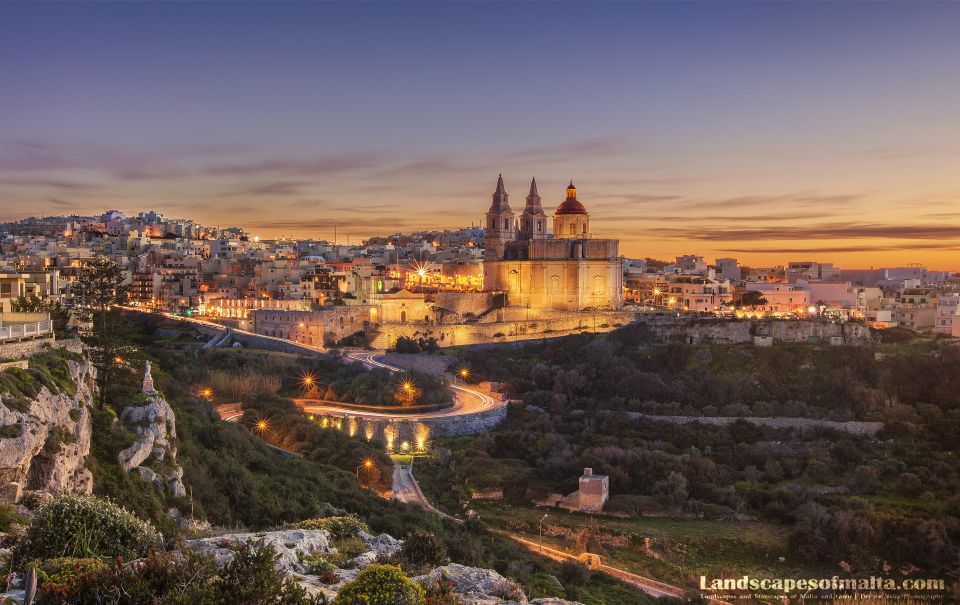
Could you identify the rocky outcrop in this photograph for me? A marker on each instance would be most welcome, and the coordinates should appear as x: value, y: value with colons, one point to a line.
x: 476, y: 586
x: 292, y: 546
x: 45, y: 441
x: 295, y: 547
x: 153, y: 455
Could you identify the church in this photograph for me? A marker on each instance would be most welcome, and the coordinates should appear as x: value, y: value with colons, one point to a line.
x: 568, y: 270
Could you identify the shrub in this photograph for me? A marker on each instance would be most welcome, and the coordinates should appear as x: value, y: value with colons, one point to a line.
x: 381, y: 585
x: 58, y: 575
x: 190, y: 578
x: 85, y: 526
x: 423, y: 547
x: 441, y: 592
x: 9, y: 516
x: 339, y: 527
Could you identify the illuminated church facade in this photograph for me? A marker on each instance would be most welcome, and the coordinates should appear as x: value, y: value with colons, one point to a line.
x: 569, y: 270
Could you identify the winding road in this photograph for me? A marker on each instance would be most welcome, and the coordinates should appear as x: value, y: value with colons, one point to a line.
x: 466, y: 400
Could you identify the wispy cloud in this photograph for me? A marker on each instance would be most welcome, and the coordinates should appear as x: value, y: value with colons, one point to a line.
x: 842, y: 249
x: 820, y: 231
x: 801, y: 199
x: 277, y: 188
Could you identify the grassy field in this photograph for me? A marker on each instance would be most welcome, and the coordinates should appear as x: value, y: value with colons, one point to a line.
x: 671, y: 550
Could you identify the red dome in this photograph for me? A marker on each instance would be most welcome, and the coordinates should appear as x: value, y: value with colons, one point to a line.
x: 571, y: 206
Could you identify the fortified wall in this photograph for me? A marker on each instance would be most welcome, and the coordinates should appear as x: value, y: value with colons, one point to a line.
x: 517, y: 324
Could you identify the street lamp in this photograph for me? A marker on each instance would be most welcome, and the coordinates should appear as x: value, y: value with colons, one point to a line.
x: 464, y: 373
x: 540, y: 528
x: 366, y: 464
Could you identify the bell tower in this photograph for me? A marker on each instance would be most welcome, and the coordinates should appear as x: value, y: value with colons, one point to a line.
x: 533, y: 221
x: 500, y: 227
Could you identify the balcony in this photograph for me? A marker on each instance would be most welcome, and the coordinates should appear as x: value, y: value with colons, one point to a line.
x: 23, y: 329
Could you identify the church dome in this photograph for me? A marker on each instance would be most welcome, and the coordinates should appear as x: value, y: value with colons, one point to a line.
x: 571, y: 205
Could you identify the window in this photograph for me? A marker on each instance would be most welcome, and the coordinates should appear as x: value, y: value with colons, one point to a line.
x: 506, y: 223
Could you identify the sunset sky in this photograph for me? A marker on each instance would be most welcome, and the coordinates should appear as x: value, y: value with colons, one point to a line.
x: 765, y: 131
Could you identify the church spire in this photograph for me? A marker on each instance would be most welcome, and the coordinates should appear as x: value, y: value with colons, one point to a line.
x: 500, y: 198
x: 533, y: 222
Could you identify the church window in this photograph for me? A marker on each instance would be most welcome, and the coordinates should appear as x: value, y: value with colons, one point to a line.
x: 573, y: 229
x: 539, y: 226
x: 506, y: 223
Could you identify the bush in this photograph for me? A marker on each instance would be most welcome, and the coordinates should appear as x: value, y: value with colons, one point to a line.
x: 190, y: 578
x: 85, y: 526
x: 339, y: 527
x: 381, y: 585
x: 423, y: 547
x: 57, y: 576
x: 441, y: 592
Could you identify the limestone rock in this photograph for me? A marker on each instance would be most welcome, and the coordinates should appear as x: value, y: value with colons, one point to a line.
x: 382, y: 544
x: 291, y: 546
x: 476, y: 586
x: 50, y: 452
x: 155, y: 425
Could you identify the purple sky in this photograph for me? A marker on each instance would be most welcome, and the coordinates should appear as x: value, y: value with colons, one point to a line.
x: 767, y: 131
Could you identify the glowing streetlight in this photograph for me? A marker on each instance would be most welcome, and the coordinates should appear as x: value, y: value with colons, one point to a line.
x: 262, y: 425
x: 307, y: 380
x: 540, y: 527
x: 206, y: 393
x: 407, y: 386
x: 464, y: 373
x: 366, y: 465
x: 118, y: 360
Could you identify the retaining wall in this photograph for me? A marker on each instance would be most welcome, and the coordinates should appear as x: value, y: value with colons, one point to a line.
x: 26, y: 348
x: 385, y: 336
x: 394, y: 432
x: 428, y: 364
x: 853, y: 427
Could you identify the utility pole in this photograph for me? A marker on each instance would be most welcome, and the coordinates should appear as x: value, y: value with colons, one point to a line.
x: 540, y: 527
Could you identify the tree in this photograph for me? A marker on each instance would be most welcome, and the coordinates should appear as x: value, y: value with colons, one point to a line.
x: 35, y: 304
x: 100, y: 286
x: 751, y: 298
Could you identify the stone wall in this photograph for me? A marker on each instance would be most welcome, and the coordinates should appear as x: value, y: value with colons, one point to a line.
x: 416, y: 432
x: 463, y: 303
x: 256, y: 341
x: 554, y: 324
x: 428, y: 364
x: 743, y: 331
x: 853, y: 427
x: 26, y: 348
